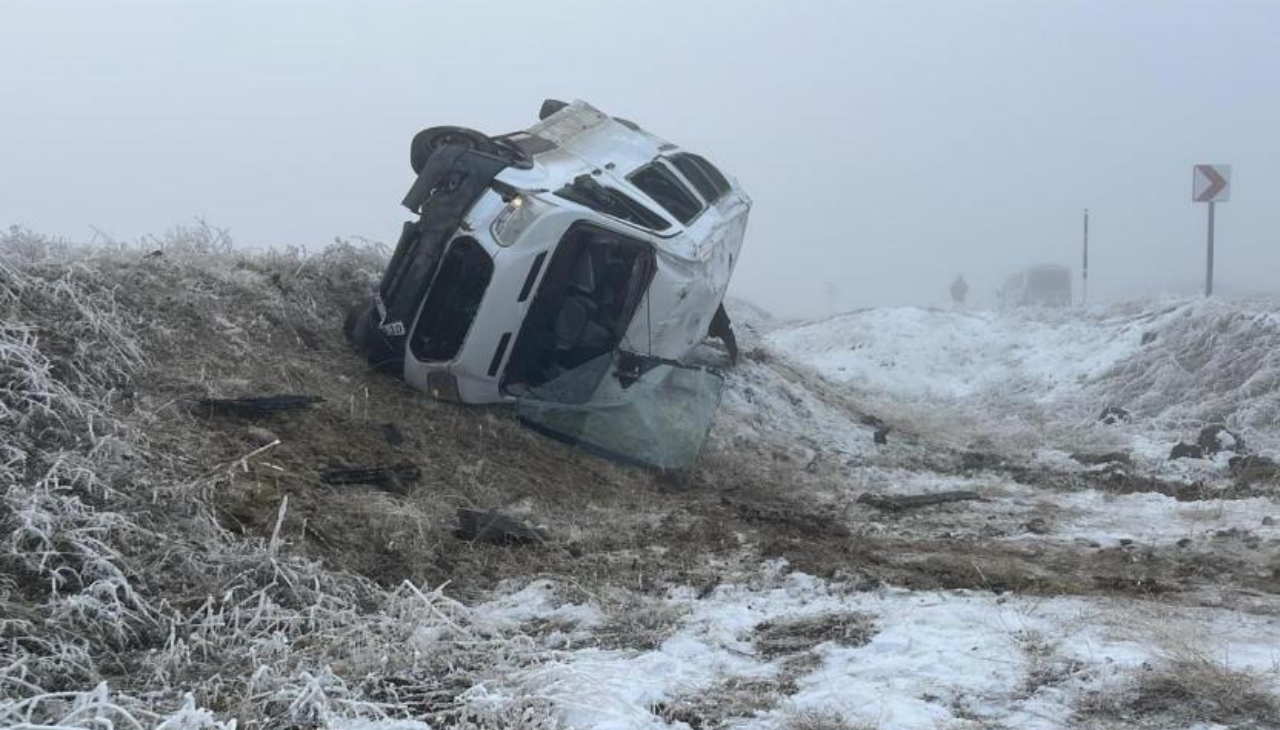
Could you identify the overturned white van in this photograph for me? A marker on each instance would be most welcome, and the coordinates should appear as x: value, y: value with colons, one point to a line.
x: 571, y: 267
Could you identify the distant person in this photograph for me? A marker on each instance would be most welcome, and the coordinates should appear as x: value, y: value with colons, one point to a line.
x: 959, y: 290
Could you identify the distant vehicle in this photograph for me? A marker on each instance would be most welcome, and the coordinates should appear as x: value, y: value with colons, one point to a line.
x: 1046, y: 285
x: 583, y: 244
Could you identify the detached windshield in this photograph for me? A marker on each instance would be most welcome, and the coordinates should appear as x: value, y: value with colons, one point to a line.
x: 656, y: 415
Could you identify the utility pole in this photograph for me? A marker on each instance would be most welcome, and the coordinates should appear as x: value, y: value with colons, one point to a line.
x: 1084, y: 296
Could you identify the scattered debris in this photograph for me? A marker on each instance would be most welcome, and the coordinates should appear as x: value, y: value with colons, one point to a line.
x: 900, y: 502
x: 1253, y: 468
x: 1216, y: 438
x: 872, y: 421
x: 396, y: 478
x: 496, y: 529
x: 391, y: 433
x: 1112, y: 457
x: 1037, y: 526
x: 1184, y: 450
x: 1113, y: 415
x: 257, y: 406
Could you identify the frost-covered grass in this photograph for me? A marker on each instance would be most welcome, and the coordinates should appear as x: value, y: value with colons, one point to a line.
x: 124, y: 601
x: 1212, y: 361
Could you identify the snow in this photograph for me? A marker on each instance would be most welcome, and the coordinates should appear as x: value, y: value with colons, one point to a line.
x: 923, y: 353
x: 935, y: 657
x: 537, y: 600
x: 761, y: 404
x: 1155, y: 519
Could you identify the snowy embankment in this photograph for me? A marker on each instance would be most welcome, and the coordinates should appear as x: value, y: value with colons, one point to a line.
x: 1176, y: 365
x: 946, y: 354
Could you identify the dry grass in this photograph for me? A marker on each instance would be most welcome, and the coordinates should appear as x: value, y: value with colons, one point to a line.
x: 720, y: 705
x: 638, y: 622
x: 822, y: 720
x: 1189, y: 688
x: 126, y: 580
x: 801, y: 634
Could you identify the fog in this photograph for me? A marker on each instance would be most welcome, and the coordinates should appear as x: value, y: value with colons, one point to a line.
x: 888, y: 145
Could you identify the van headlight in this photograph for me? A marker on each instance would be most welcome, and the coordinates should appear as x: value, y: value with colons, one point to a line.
x: 516, y: 216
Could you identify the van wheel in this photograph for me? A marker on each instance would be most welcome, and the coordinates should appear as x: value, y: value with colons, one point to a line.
x: 428, y: 140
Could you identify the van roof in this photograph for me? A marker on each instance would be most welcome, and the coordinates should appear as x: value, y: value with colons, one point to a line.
x: 581, y: 139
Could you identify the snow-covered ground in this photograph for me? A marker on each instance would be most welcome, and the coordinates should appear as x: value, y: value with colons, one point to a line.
x: 928, y: 659
x: 959, y: 658
x: 1176, y: 364
x: 933, y: 353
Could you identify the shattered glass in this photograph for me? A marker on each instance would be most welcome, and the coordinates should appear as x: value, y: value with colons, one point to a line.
x: 643, y: 411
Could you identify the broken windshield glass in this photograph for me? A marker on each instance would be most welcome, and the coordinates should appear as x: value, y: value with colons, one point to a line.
x: 647, y: 412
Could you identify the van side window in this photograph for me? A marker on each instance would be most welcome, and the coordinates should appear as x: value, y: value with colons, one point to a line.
x: 698, y: 175
x: 666, y: 190
x: 718, y: 180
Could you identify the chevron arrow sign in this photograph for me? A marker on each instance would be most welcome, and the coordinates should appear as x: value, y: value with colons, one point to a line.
x: 1211, y: 183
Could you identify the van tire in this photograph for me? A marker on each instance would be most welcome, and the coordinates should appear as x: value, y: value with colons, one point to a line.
x: 425, y: 143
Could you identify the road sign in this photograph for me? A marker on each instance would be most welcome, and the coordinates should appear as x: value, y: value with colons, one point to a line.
x: 1211, y: 183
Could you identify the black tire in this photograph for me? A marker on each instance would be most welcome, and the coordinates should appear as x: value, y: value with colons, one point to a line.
x: 361, y: 329
x: 425, y: 142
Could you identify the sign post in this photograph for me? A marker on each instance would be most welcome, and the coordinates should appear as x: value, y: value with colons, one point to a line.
x: 1084, y: 296
x: 1210, y: 184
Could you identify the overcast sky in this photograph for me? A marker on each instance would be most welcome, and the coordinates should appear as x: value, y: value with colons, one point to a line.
x: 888, y: 145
